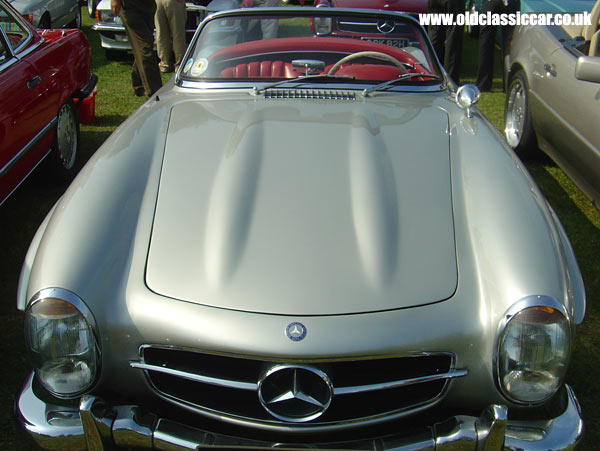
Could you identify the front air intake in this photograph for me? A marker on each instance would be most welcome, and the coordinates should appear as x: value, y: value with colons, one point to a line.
x: 317, y: 94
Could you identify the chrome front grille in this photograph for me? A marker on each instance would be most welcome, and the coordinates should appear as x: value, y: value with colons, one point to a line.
x: 361, y: 390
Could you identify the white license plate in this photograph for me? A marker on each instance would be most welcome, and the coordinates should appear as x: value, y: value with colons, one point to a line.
x: 392, y: 42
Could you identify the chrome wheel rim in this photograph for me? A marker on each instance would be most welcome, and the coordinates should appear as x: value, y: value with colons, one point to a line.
x: 66, y: 136
x: 515, y: 114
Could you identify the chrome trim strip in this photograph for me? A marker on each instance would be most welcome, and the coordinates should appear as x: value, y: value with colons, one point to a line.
x: 25, y: 177
x: 336, y: 391
x: 314, y: 361
x: 101, y: 26
x: 27, y: 147
x: 273, y: 425
x: 29, y: 50
x: 5, y: 64
x: 397, y: 384
x: 196, y: 377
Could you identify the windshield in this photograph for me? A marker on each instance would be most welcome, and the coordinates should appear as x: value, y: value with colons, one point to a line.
x: 353, y: 46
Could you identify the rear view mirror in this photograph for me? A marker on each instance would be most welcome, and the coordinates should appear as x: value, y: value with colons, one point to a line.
x: 588, y: 69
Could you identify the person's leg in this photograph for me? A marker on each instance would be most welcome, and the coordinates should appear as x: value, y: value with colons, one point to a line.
x: 136, y: 80
x: 485, y: 63
x: 164, y: 47
x: 437, y: 33
x: 138, y: 19
x: 177, y: 20
x: 454, y: 41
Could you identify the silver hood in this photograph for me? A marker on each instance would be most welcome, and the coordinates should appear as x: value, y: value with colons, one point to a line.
x: 256, y: 214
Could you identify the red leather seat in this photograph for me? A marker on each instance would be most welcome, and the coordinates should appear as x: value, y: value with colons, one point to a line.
x: 259, y: 69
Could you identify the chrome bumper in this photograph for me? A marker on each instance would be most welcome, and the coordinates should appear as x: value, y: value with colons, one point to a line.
x: 97, y: 426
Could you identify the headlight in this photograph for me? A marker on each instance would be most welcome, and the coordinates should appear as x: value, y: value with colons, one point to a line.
x: 533, y: 350
x: 323, y: 25
x: 61, y: 341
x: 107, y: 16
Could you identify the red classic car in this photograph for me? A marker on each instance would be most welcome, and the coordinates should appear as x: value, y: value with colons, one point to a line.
x: 46, y: 89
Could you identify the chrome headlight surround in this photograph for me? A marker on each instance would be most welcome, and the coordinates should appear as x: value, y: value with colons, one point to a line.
x: 533, y: 348
x: 62, y: 338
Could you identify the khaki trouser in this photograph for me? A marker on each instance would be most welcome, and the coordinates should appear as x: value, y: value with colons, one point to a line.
x: 269, y: 26
x: 170, y: 21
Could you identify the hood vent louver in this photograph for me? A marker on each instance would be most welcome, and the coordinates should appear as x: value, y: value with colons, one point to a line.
x: 309, y: 94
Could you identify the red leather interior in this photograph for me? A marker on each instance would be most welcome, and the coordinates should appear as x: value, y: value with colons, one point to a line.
x: 260, y: 69
x: 310, y: 44
x: 279, y: 69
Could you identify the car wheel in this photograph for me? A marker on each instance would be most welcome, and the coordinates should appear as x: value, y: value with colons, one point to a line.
x: 91, y: 7
x: 66, y: 139
x: 45, y: 22
x: 76, y: 23
x: 518, y: 128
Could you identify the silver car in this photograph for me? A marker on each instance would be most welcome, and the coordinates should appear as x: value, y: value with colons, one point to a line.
x: 113, y: 37
x: 50, y: 13
x: 303, y: 240
x: 552, y: 98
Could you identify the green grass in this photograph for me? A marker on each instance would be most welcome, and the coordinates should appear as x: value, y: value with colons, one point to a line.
x: 22, y: 213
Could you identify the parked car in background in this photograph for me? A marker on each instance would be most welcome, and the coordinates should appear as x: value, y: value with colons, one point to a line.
x: 45, y: 81
x: 91, y: 7
x: 50, y: 13
x: 535, y: 6
x: 552, y: 98
x: 371, y: 28
x: 113, y: 37
x: 302, y: 242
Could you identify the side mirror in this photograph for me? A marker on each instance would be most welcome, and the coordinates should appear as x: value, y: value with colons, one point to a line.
x: 467, y: 96
x: 588, y: 69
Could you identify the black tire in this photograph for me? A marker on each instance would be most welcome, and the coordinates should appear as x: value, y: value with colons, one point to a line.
x: 76, y: 23
x: 45, y: 22
x: 91, y: 7
x: 518, y: 126
x: 66, y: 139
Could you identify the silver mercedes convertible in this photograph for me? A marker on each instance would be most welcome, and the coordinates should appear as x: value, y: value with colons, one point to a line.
x: 308, y: 239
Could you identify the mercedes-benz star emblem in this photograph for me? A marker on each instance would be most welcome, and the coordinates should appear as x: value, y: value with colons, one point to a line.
x: 295, y: 393
x: 386, y: 26
x: 295, y: 331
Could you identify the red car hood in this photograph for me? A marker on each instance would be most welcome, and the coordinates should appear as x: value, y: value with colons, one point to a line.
x: 411, y: 6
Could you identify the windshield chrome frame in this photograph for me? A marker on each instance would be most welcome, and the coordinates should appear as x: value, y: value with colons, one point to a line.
x: 251, y: 84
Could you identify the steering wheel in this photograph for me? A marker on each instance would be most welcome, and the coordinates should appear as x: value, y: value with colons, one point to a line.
x: 372, y: 54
